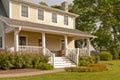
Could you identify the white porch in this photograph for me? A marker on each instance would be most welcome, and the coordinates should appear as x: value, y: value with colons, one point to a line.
x: 70, y: 53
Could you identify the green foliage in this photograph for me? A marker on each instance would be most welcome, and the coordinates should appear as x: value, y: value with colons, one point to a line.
x: 88, y: 60
x: 56, y: 6
x: 44, y: 66
x: 43, y: 3
x: 101, y: 18
x: 115, y: 51
x: 18, y: 61
x: 105, y: 56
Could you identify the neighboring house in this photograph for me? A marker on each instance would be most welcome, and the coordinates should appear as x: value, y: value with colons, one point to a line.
x: 33, y: 28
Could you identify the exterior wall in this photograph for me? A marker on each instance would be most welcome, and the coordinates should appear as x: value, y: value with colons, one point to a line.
x: 9, y: 40
x: 52, y: 41
x: 6, y: 6
x: 16, y: 11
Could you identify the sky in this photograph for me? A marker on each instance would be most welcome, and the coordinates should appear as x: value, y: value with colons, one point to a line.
x: 51, y: 2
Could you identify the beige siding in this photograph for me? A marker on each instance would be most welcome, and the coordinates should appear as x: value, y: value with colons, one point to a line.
x: 52, y: 41
x: 9, y: 40
x: 6, y: 6
x: 47, y: 14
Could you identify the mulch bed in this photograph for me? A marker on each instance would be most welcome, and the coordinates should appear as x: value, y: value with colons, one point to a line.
x: 13, y: 71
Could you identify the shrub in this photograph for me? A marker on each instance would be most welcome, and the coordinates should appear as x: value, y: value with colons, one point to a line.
x: 5, y: 63
x: 45, y: 66
x: 105, y: 56
x: 18, y: 61
x: 87, y: 60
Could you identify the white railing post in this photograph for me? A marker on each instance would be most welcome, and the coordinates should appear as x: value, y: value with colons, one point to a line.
x: 77, y: 55
x: 16, y: 40
x: 88, y: 46
x: 53, y: 61
x: 66, y: 43
x: 43, y: 43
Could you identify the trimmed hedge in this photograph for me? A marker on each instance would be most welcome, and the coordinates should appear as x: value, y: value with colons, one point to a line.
x: 93, y: 68
x: 88, y: 60
x: 105, y: 56
x: 17, y: 61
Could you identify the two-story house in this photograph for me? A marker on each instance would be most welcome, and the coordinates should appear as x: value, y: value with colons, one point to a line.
x: 34, y: 28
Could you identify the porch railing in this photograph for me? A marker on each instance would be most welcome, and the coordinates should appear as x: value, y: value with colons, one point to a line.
x: 30, y: 49
x: 74, y: 54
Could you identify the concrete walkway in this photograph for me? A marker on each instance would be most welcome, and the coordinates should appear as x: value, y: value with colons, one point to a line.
x: 30, y: 73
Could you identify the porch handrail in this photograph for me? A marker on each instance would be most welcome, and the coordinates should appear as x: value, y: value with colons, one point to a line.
x: 52, y: 56
x: 74, y: 54
x: 30, y: 49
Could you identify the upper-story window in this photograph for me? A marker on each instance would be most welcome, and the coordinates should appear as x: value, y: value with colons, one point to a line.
x: 40, y: 14
x: 54, y: 17
x: 66, y: 20
x: 24, y: 11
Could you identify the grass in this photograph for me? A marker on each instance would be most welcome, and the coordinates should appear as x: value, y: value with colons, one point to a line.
x: 112, y: 74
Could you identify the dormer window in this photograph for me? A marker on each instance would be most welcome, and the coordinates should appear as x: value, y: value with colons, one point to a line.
x: 54, y: 17
x: 24, y: 11
x: 66, y: 20
x: 40, y: 14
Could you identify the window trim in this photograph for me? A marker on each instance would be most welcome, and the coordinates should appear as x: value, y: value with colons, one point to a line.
x: 43, y: 14
x: 64, y: 20
x: 21, y: 11
x: 52, y: 17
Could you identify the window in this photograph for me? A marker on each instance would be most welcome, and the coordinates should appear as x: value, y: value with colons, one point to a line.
x: 62, y: 44
x: 22, y: 40
x: 54, y: 17
x: 0, y: 42
x: 24, y: 11
x: 66, y: 20
x: 40, y: 14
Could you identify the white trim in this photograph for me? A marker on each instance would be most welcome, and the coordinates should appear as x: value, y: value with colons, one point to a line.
x: 26, y: 39
x: 28, y: 11
x: 43, y: 15
x: 53, y: 31
x: 10, y: 9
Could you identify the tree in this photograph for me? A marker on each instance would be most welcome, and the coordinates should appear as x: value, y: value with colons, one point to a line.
x: 43, y: 3
x: 101, y: 18
x: 56, y: 6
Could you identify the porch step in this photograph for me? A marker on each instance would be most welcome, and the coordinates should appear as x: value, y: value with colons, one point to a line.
x: 62, y: 62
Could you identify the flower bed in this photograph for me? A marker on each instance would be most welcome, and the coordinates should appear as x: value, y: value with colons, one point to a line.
x: 92, y: 68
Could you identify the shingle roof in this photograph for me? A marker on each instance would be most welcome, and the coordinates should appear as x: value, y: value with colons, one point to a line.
x: 2, y: 10
x: 44, y: 27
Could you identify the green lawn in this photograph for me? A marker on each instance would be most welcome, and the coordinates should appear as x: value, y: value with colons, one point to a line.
x: 112, y: 74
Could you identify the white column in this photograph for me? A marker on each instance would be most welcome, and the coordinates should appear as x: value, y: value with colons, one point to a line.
x: 16, y: 40
x: 3, y: 38
x: 43, y: 42
x: 88, y: 46
x: 66, y: 44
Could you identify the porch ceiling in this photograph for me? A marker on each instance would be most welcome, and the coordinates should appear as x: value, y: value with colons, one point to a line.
x: 31, y: 26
